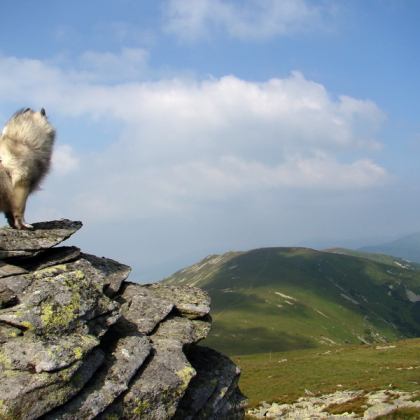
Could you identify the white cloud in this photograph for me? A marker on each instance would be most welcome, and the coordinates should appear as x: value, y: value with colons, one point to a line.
x: 183, y: 142
x: 64, y: 160
x: 131, y: 64
x: 252, y: 19
x: 160, y: 189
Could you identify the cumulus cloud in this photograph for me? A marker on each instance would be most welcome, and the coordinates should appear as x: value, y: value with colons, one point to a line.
x: 231, y: 175
x: 131, y: 64
x: 64, y: 160
x: 146, y: 191
x: 252, y: 19
x: 182, y: 142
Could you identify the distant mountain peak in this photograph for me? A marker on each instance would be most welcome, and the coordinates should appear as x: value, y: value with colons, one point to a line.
x: 407, y: 247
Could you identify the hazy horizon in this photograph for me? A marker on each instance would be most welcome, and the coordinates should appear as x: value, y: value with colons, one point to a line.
x: 193, y: 128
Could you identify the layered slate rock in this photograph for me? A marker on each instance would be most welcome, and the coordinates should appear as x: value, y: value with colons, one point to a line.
x: 78, y: 341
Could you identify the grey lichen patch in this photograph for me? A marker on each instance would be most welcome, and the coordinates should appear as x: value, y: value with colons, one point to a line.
x: 30, y: 353
x: 117, y: 371
x: 191, y: 302
x: 55, y: 317
x: 201, y: 327
x: 8, y: 331
x: 142, y: 311
x: 49, y: 271
x: 65, y: 309
x: 4, y: 360
x: 30, y: 395
x: 59, y: 301
x: 43, y: 236
x: 181, y: 330
x: 111, y: 273
x: 6, y: 414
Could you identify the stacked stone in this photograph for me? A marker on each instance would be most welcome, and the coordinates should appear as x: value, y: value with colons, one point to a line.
x: 78, y: 341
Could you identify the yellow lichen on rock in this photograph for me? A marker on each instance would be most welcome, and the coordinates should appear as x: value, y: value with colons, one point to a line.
x: 186, y: 375
x: 141, y: 407
x: 54, y: 316
x: 78, y: 353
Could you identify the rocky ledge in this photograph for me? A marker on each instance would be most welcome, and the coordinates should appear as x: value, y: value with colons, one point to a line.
x: 78, y: 341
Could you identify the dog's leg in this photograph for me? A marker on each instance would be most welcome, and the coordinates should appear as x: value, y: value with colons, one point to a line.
x: 19, y: 197
x: 6, y: 195
x: 10, y: 218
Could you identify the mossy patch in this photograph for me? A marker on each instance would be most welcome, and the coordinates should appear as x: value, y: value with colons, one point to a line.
x: 55, y: 317
x: 186, y: 375
x: 141, y: 407
x: 28, y: 325
x: 4, y: 360
x: 78, y: 353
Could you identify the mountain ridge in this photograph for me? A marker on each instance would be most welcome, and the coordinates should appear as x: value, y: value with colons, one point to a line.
x: 382, y: 258
x: 284, y: 298
x: 407, y: 247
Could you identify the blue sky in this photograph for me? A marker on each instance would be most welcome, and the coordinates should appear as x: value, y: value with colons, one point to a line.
x: 188, y: 128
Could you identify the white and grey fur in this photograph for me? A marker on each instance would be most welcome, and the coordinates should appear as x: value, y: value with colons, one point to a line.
x: 26, y: 145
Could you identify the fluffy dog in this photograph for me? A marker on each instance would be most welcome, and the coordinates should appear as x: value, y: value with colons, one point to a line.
x: 26, y: 145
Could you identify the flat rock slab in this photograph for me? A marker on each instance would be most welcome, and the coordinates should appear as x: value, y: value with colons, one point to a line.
x: 44, y: 235
x: 141, y: 310
x: 111, y: 381
x: 113, y: 272
x: 191, y: 302
x: 10, y: 270
x: 49, y: 258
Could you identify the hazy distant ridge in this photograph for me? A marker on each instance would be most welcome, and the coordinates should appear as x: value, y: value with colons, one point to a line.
x: 407, y: 247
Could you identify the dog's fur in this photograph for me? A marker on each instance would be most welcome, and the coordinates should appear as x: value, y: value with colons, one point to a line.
x: 26, y: 145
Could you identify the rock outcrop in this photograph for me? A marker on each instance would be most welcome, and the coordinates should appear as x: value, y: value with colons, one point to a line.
x: 78, y: 341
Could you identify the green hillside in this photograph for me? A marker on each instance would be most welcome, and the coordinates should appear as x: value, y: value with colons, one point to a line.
x: 281, y: 299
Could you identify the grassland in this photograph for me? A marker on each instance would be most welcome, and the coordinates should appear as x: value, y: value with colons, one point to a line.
x: 402, y: 414
x: 303, y: 320
x: 284, y: 377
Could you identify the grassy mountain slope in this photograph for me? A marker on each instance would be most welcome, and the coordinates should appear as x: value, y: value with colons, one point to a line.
x: 407, y: 247
x: 280, y: 299
x: 284, y: 377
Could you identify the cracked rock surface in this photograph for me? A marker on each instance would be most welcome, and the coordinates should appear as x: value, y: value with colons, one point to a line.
x: 78, y: 341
